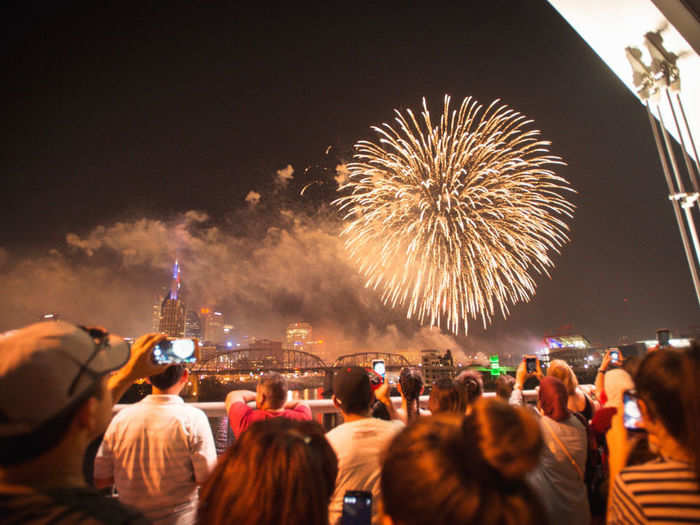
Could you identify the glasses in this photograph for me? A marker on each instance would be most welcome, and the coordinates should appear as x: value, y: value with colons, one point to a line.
x: 100, y: 339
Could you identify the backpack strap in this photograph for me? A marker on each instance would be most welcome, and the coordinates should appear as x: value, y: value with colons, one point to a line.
x: 563, y: 447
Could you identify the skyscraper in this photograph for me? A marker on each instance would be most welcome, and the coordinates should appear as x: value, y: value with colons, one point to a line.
x: 212, y: 326
x: 172, y: 312
x: 193, y: 325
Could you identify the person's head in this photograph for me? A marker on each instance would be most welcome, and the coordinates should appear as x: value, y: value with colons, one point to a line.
x: 53, y: 389
x: 504, y: 386
x: 447, y: 396
x: 172, y: 381
x: 615, y: 383
x: 271, y: 392
x: 472, y: 383
x: 668, y: 388
x: 553, y: 398
x: 411, y: 385
x: 454, y: 469
x: 352, y: 393
x: 280, y: 471
x: 563, y: 372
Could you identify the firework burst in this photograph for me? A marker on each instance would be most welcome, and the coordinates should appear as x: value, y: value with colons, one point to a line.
x: 451, y: 221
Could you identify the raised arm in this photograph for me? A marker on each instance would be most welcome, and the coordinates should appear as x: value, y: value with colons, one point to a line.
x: 239, y: 396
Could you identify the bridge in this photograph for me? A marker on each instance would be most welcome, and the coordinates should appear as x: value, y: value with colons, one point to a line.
x: 246, y: 360
x: 260, y: 359
x: 364, y: 359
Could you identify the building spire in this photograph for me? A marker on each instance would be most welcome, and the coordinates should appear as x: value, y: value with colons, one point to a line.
x: 175, y: 282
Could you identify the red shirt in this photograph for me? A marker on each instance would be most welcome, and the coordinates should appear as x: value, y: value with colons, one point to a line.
x: 241, y: 416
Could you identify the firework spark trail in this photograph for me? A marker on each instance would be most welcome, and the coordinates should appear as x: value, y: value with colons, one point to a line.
x: 450, y: 221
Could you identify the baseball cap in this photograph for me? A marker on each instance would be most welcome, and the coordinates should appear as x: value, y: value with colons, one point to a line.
x: 352, y: 389
x: 46, y: 366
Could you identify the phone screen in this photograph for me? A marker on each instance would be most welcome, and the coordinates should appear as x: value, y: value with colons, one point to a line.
x: 614, y: 356
x: 379, y: 367
x: 530, y: 365
x: 357, y: 508
x: 632, y: 416
x: 174, y: 351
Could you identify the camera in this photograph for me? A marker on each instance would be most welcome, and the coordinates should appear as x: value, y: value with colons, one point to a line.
x: 357, y: 508
x: 530, y: 364
x: 174, y: 351
x: 632, y: 415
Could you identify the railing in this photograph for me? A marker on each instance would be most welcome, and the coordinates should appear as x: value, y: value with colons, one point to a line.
x: 320, y: 406
x: 322, y: 410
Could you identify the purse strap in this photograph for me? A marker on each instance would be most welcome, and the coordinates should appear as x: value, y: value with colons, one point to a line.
x: 563, y: 447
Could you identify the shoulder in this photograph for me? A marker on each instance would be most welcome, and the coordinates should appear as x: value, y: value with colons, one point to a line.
x: 240, y: 409
x: 67, y: 506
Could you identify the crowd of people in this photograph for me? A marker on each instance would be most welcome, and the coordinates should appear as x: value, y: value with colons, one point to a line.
x: 626, y: 450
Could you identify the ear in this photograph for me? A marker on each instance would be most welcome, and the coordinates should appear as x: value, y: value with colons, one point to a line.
x: 336, y: 402
x: 87, y: 415
x: 422, y: 389
x: 185, y: 376
x: 148, y: 380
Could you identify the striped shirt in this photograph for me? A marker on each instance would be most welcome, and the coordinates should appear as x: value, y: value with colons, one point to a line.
x: 158, y: 450
x: 660, y: 491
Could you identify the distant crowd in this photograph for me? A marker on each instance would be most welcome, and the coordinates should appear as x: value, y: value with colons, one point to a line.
x: 625, y: 450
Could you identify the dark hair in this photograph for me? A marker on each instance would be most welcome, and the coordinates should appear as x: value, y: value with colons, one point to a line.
x: 274, y: 385
x: 454, y: 469
x: 473, y: 385
x: 15, y: 450
x: 504, y: 386
x: 668, y: 381
x: 447, y: 396
x: 411, y: 382
x: 169, y: 378
x: 279, y: 471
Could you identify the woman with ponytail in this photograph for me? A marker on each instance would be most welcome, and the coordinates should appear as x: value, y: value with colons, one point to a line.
x: 410, y: 387
x: 450, y: 469
x: 666, y: 489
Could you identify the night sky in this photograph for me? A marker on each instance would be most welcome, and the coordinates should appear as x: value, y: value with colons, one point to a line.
x: 128, y: 118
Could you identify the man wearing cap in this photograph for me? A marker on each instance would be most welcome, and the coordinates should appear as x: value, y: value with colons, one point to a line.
x: 56, y: 397
x: 360, y: 441
x: 158, y: 451
x: 270, y: 398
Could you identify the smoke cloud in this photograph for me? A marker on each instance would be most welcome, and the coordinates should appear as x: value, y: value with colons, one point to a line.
x: 263, y: 267
x: 284, y: 176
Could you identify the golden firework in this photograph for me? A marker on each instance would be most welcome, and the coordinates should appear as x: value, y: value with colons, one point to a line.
x: 451, y: 221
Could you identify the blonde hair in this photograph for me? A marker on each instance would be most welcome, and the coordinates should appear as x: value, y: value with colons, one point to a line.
x: 563, y: 372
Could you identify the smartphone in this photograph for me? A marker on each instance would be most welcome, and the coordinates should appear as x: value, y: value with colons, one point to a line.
x: 357, y: 508
x: 632, y: 416
x: 530, y: 364
x: 615, y: 357
x: 379, y: 367
x: 174, y: 351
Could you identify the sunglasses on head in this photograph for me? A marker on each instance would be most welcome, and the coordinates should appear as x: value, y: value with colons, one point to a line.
x: 100, y: 339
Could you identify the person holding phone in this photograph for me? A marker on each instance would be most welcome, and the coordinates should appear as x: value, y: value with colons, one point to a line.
x: 158, y: 451
x: 361, y: 440
x: 528, y: 369
x: 667, y: 488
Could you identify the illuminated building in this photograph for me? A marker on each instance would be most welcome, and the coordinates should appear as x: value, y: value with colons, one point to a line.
x: 212, y: 326
x: 193, y: 325
x: 297, y: 335
x: 435, y: 366
x: 172, y: 311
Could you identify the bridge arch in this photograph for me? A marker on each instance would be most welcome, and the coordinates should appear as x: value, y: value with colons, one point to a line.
x: 250, y: 359
x: 364, y: 359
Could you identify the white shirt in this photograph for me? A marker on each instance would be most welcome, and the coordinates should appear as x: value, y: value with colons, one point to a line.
x: 158, y: 450
x: 359, y: 446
